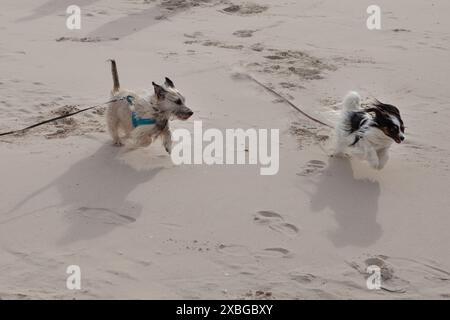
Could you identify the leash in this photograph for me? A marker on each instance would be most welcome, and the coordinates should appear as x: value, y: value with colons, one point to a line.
x: 288, y: 102
x: 128, y: 98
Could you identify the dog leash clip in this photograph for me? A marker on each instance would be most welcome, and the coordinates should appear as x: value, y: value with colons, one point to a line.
x: 130, y: 99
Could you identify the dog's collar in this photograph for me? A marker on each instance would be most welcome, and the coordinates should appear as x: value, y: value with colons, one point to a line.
x: 137, y: 121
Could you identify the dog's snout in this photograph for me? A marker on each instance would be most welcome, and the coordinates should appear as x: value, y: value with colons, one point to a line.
x: 399, y: 138
x: 184, y: 114
x: 188, y: 114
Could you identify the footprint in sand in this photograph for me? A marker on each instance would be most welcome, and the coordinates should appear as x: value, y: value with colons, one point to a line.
x: 240, y: 251
x: 390, y: 281
x: 274, y: 253
x: 234, y: 250
x: 244, y: 33
x: 306, y: 279
x: 276, y: 222
x: 312, y: 167
x: 245, y: 9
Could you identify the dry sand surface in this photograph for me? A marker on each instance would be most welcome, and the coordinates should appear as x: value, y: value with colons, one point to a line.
x: 141, y: 227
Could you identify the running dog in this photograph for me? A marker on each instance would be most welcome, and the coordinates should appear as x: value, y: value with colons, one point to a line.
x: 369, y: 131
x: 144, y: 116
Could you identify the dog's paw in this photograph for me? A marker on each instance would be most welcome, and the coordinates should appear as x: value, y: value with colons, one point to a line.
x: 313, y: 167
x: 380, y: 166
x: 117, y: 143
x: 375, y: 165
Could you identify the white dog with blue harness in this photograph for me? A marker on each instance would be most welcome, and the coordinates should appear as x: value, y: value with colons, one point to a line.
x: 144, y: 116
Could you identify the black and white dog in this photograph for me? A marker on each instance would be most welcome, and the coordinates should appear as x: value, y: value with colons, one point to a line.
x: 368, y: 131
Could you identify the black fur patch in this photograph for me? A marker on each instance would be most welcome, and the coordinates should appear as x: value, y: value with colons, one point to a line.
x: 162, y: 124
x: 357, y: 120
x: 378, y: 115
x: 169, y: 83
x: 387, y: 108
x: 382, y: 112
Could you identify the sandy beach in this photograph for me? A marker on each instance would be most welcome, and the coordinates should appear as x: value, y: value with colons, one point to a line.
x: 141, y: 227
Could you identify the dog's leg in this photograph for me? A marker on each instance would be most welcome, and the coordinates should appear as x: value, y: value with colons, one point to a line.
x: 340, y: 142
x: 383, y: 156
x: 114, y: 131
x: 372, y: 156
x: 145, y: 140
x: 113, y: 127
x: 141, y: 137
x: 127, y: 127
x: 339, y: 147
x: 167, y: 140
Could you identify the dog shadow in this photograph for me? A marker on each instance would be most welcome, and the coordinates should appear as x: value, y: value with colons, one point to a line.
x: 94, y: 194
x: 54, y: 7
x: 116, y: 29
x: 353, y: 201
x: 128, y: 24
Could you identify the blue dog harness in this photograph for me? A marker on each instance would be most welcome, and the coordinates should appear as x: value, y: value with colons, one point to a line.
x: 135, y: 119
x: 141, y: 121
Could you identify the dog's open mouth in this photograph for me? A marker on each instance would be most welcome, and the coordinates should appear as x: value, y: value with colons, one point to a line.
x: 398, y: 140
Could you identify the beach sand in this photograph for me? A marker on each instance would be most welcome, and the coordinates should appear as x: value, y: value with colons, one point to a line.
x: 140, y: 227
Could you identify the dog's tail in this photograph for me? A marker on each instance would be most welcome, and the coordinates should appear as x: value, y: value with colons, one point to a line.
x: 352, y: 101
x: 115, y: 75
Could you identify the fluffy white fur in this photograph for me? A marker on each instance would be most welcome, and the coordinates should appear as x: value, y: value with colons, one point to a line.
x: 368, y: 141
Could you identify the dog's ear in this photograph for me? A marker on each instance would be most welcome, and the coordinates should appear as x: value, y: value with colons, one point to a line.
x: 159, y: 91
x: 388, y: 108
x: 377, y: 108
x: 169, y: 83
x: 378, y: 112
